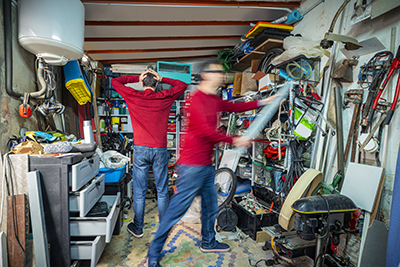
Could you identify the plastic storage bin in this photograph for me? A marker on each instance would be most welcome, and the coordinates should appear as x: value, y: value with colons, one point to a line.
x: 250, y: 223
x: 113, y: 175
x: 76, y: 83
x: 244, y: 172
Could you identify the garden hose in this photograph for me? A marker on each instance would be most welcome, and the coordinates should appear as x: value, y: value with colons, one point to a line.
x: 298, y: 71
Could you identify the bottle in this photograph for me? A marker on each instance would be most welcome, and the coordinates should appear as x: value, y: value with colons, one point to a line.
x: 116, y: 107
x: 122, y: 109
x: 102, y: 125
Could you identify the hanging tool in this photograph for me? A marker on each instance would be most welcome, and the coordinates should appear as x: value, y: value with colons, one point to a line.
x: 356, y: 97
x: 394, y: 66
x: 376, y: 68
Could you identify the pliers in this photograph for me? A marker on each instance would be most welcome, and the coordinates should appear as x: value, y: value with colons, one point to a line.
x: 394, y: 66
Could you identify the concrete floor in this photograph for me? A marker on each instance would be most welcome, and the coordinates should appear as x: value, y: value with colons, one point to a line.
x: 182, y: 247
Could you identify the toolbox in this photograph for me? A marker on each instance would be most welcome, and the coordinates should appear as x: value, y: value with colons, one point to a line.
x: 250, y: 223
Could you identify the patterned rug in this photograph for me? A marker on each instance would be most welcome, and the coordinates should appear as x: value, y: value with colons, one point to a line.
x: 181, y: 248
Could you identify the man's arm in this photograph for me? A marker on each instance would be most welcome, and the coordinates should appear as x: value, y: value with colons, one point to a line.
x: 198, y: 117
x: 178, y: 87
x: 239, y: 107
x: 119, y: 84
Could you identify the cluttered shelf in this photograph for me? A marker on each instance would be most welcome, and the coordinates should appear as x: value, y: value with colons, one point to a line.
x: 257, y: 53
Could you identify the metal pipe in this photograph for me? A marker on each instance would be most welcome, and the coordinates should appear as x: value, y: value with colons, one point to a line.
x: 193, y: 6
x: 337, y: 15
x: 327, y: 84
x: 312, y: 7
x: 8, y: 49
x: 339, y: 133
x: 42, y: 82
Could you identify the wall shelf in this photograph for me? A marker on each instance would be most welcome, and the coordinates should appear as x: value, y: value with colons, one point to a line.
x: 257, y: 53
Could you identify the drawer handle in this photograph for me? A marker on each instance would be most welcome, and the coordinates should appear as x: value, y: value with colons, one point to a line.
x: 98, y: 183
x: 91, y: 161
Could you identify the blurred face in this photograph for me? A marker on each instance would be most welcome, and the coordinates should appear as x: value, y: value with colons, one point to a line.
x: 214, y: 76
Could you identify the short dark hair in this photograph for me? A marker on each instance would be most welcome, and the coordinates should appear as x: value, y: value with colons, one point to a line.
x: 150, y: 80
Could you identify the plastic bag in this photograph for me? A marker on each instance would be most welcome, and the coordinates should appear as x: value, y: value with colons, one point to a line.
x: 295, y: 46
x: 113, y: 160
x: 59, y: 147
x: 193, y: 215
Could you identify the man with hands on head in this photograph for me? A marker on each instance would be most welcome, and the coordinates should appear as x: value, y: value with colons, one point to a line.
x: 149, y: 111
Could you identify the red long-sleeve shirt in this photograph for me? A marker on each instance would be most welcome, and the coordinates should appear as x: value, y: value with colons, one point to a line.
x: 198, y: 143
x: 149, y: 110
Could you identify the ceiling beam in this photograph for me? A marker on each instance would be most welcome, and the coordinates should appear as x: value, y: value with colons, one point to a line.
x: 138, y: 60
x: 166, y: 38
x: 200, y: 3
x: 152, y: 50
x: 167, y: 23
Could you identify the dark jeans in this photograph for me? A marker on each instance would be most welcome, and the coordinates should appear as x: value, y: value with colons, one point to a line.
x: 192, y: 181
x: 143, y: 157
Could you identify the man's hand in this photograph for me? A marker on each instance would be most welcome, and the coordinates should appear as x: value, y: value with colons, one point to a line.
x: 158, y: 77
x: 243, y: 141
x: 143, y: 75
x: 267, y: 100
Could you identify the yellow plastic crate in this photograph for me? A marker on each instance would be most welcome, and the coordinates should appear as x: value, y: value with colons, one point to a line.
x: 79, y: 91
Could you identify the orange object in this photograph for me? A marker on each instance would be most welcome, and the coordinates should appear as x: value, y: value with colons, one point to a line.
x: 270, y: 208
x: 261, y: 25
x: 25, y: 111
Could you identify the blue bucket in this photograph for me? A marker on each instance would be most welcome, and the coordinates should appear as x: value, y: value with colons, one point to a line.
x: 112, y: 175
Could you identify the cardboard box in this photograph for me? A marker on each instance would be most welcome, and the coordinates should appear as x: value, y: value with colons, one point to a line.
x: 248, y: 83
x: 265, y: 81
x: 254, y: 65
x: 237, y: 84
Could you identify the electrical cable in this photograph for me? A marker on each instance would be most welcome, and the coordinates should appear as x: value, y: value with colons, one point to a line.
x: 265, y: 62
x: 50, y: 79
x: 324, y: 236
x: 13, y: 207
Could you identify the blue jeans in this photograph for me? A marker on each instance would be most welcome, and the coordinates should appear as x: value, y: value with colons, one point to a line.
x: 192, y: 181
x: 143, y: 157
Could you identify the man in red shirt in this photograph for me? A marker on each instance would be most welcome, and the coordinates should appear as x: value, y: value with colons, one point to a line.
x: 149, y: 112
x: 196, y: 173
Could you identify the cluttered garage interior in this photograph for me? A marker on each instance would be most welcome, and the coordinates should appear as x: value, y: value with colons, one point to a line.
x: 200, y: 133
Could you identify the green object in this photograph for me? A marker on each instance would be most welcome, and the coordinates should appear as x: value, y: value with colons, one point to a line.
x: 327, y: 189
x: 304, y: 128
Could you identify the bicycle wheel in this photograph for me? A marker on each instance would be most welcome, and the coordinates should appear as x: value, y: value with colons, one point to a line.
x: 225, y: 184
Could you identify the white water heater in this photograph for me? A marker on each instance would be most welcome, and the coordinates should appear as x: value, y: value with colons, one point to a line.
x: 52, y: 29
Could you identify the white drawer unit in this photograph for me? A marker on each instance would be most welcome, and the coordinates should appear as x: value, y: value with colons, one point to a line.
x: 88, y: 250
x: 83, y: 172
x: 83, y: 201
x: 98, y: 226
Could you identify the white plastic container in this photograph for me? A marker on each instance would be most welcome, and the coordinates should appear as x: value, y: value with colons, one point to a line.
x: 53, y: 30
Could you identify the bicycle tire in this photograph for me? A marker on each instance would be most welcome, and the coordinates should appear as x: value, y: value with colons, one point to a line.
x: 232, y: 191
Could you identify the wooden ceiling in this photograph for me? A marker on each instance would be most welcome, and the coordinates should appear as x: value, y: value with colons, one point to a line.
x: 128, y: 31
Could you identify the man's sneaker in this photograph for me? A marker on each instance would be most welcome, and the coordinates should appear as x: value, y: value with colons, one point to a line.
x: 136, y: 233
x: 152, y: 261
x: 219, y: 247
